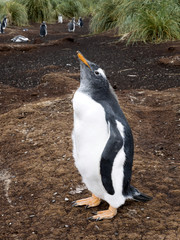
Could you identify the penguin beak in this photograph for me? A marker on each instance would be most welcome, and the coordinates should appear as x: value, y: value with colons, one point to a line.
x: 82, y: 58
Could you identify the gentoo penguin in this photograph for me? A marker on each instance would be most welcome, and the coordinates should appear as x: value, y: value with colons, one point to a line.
x: 43, y: 29
x: 2, y: 30
x: 102, y: 143
x: 4, y: 23
x: 60, y: 19
x: 20, y: 38
x: 71, y: 25
x: 80, y: 22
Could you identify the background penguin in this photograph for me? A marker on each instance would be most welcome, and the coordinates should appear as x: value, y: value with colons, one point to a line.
x: 19, y: 39
x: 71, y: 25
x: 80, y: 22
x: 102, y: 142
x: 60, y: 19
x: 2, y: 30
x: 3, y: 25
x: 43, y: 29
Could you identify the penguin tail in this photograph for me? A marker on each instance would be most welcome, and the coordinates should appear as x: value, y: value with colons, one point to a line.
x: 138, y: 196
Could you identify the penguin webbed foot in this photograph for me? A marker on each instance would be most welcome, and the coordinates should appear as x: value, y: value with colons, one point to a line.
x: 106, y: 214
x: 88, y: 202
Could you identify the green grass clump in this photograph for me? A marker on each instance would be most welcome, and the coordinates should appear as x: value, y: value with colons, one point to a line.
x: 143, y: 20
x: 15, y: 12
x: 38, y: 10
x: 71, y: 8
x: 2, y: 10
x: 104, y: 16
x: 147, y: 20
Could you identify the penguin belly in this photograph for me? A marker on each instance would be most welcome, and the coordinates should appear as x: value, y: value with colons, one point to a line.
x: 90, y: 135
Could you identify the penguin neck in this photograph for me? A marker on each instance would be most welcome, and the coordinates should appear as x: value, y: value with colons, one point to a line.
x: 94, y: 90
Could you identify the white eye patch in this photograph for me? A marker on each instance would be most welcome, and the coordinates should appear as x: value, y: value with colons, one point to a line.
x: 101, y: 72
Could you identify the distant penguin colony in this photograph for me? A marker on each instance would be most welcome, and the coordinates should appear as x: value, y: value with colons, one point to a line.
x: 102, y: 143
x: 43, y: 29
x: 71, y: 25
x: 3, y: 24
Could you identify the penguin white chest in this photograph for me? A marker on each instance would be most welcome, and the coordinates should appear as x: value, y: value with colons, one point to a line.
x: 89, y: 136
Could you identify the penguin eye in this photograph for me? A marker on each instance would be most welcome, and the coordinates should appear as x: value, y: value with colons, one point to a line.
x: 97, y: 73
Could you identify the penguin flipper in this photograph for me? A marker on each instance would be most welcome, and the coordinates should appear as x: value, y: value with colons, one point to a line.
x: 113, y: 145
x: 138, y: 196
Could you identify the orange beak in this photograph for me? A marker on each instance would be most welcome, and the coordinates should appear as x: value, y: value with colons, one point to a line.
x: 82, y: 58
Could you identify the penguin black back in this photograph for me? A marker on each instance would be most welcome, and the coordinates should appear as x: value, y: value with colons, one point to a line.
x: 43, y: 29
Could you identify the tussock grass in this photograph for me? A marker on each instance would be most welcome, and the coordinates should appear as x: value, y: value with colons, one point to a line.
x: 15, y: 12
x: 71, y: 8
x: 104, y: 16
x: 144, y: 20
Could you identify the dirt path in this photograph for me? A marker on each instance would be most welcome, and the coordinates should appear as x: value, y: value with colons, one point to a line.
x: 38, y: 179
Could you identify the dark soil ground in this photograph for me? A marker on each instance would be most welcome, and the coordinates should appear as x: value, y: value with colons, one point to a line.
x: 38, y: 179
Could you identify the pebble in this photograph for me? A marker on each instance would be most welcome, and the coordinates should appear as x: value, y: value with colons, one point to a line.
x: 66, y: 199
x: 96, y: 226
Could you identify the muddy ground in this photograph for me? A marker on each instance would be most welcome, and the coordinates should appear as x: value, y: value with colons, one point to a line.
x: 38, y: 179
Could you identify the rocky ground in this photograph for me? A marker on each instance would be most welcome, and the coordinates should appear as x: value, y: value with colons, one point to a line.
x: 38, y: 179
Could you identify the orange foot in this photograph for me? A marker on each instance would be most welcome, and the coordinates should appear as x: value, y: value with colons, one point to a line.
x: 107, y: 214
x: 89, y: 202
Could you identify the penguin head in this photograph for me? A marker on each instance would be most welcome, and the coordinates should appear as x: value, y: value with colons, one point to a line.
x: 92, y: 77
